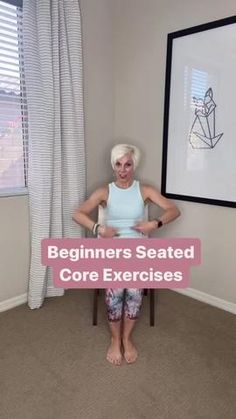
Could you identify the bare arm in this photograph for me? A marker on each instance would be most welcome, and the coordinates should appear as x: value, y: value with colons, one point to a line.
x: 170, y: 213
x: 82, y: 214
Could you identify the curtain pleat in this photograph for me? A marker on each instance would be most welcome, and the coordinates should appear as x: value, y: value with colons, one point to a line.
x: 54, y: 87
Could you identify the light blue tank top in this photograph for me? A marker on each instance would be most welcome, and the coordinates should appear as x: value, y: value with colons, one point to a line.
x: 125, y: 207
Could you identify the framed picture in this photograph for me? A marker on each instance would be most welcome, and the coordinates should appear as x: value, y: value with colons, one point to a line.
x: 199, y: 138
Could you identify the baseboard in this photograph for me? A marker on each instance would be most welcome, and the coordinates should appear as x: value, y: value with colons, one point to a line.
x: 22, y: 299
x: 189, y: 292
x: 207, y: 298
x: 13, y: 302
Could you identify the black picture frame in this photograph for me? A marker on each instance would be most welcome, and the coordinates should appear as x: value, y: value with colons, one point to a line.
x: 198, y: 160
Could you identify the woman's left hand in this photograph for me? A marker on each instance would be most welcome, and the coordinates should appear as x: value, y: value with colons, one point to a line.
x: 145, y: 227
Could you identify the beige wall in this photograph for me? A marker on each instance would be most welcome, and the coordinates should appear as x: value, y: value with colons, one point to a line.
x: 14, y: 247
x: 124, y: 67
x: 97, y: 25
x: 141, y: 29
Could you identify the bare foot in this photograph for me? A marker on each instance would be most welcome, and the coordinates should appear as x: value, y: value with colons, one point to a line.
x: 130, y: 352
x: 114, y: 355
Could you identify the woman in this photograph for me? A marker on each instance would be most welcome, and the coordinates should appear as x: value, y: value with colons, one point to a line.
x: 124, y: 202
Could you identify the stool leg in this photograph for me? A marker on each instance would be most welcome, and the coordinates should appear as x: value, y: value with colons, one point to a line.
x: 95, y: 307
x: 152, y: 307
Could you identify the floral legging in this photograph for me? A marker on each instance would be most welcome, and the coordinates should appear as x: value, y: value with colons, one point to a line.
x: 128, y: 300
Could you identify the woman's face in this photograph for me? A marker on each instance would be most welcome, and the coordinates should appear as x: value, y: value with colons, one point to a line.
x: 124, y: 169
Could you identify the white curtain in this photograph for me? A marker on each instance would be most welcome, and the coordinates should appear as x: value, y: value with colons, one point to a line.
x: 54, y: 87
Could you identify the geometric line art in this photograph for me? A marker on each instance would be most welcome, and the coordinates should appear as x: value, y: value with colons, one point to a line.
x: 202, y: 133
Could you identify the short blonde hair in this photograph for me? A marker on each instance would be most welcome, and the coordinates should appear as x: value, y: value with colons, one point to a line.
x: 120, y: 150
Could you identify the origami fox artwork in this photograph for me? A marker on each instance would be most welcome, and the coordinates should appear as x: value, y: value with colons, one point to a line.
x: 202, y: 133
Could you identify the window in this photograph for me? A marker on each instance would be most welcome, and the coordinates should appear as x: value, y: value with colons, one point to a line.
x: 13, y: 106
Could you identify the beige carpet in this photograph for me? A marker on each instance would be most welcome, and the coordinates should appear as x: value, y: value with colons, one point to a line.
x: 52, y: 362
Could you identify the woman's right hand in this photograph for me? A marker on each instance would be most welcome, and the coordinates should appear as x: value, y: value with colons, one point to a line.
x: 107, y: 232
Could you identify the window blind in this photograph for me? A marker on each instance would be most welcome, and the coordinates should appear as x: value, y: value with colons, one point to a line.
x: 13, y: 105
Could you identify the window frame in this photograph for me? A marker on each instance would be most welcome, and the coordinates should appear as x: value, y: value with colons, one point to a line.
x: 14, y: 191
x: 18, y: 3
